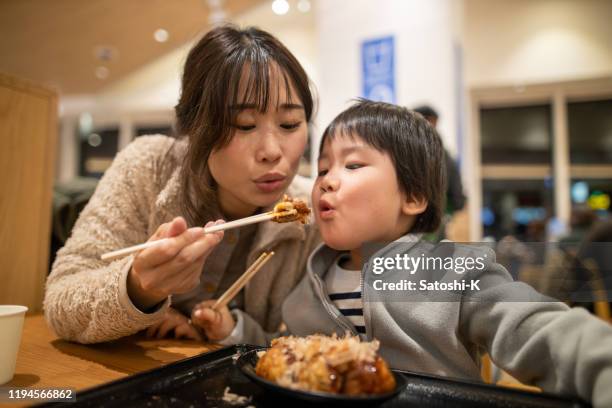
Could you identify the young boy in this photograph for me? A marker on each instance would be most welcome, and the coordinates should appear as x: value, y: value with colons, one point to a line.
x: 381, y: 179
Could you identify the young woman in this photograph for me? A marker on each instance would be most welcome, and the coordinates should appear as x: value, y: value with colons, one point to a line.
x: 242, y: 123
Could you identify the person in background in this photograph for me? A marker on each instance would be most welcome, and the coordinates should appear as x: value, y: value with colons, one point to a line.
x: 582, y: 219
x: 241, y: 122
x: 455, y: 200
x: 593, y: 268
x: 563, y: 274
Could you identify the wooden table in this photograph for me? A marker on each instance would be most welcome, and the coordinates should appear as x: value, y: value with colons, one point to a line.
x: 45, y: 361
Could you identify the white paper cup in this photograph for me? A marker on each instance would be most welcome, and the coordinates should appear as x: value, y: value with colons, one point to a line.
x: 11, y: 325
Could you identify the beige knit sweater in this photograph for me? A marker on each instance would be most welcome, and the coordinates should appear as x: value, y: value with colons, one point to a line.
x: 86, y: 299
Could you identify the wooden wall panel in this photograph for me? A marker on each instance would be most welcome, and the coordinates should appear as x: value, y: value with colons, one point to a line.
x: 28, y: 139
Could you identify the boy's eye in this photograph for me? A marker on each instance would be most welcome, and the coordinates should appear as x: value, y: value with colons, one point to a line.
x: 291, y: 126
x: 354, y: 166
x: 322, y: 173
x: 244, y: 128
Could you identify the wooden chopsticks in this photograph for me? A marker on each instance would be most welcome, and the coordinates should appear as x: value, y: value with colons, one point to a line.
x: 243, y: 280
x: 270, y: 215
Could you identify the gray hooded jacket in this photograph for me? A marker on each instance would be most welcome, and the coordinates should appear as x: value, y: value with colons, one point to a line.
x: 537, y: 340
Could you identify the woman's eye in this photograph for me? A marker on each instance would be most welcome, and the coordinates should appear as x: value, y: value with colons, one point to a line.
x: 321, y: 173
x: 354, y: 166
x: 291, y: 126
x: 244, y: 128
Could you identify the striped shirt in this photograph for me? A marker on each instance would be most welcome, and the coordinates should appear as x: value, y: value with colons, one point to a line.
x: 344, y: 289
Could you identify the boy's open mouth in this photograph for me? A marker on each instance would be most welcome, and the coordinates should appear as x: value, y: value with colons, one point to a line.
x: 326, y: 210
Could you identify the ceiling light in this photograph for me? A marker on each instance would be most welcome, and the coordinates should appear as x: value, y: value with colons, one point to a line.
x: 304, y: 6
x: 216, y: 15
x: 102, y: 72
x: 161, y: 35
x: 85, y: 123
x: 94, y: 140
x: 280, y: 7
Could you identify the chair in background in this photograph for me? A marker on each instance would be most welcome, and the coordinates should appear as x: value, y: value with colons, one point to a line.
x: 69, y: 199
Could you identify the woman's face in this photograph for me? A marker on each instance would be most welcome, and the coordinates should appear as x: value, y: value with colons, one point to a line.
x: 262, y: 157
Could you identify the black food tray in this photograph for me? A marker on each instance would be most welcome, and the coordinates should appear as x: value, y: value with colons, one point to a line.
x: 200, y: 381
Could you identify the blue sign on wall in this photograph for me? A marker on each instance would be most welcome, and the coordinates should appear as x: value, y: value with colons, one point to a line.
x: 378, y: 63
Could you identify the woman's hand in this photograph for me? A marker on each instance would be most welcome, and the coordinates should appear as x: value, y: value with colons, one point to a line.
x: 217, y: 324
x: 175, y: 322
x: 173, y: 267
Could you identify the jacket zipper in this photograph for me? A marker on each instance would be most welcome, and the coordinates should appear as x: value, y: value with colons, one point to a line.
x: 331, y: 309
x: 363, y: 303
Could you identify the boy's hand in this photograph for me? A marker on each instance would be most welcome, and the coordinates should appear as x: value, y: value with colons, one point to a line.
x: 217, y: 324
x: 176, y: 323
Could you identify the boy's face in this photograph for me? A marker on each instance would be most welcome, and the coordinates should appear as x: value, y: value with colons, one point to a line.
x: 356, y: 196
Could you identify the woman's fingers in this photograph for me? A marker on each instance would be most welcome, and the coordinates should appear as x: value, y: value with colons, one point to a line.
x: 178, y: 323
x: 193, y: 251
x: 187, y: 331
x: 166, y: 326
x: 174, y: 247
x: 169, y: 229
x: 177, y: 227
x: 160, y: 232
x: 183, y: 272
x: 172, y: 318
x: 166, y: 251
x: 173, y: 266
x: 151, y: 330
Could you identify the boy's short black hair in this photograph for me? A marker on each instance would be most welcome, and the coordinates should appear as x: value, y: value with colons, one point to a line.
x: 413, y: 145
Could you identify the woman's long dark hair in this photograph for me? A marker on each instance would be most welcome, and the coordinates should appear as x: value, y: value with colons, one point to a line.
x: 212, y: 74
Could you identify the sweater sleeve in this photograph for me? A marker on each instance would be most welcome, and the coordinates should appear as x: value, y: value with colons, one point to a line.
x: 539, y: 341
x: 86, y: 298
x: 248, y: 331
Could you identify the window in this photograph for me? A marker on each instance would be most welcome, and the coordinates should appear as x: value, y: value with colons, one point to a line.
x: 516, y: 207
x: 516, y: 135
x: 518, y: 147
x: 592, y: 193
x: 98, y: 149
x: 590, y: 131
x: 154, y: 130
